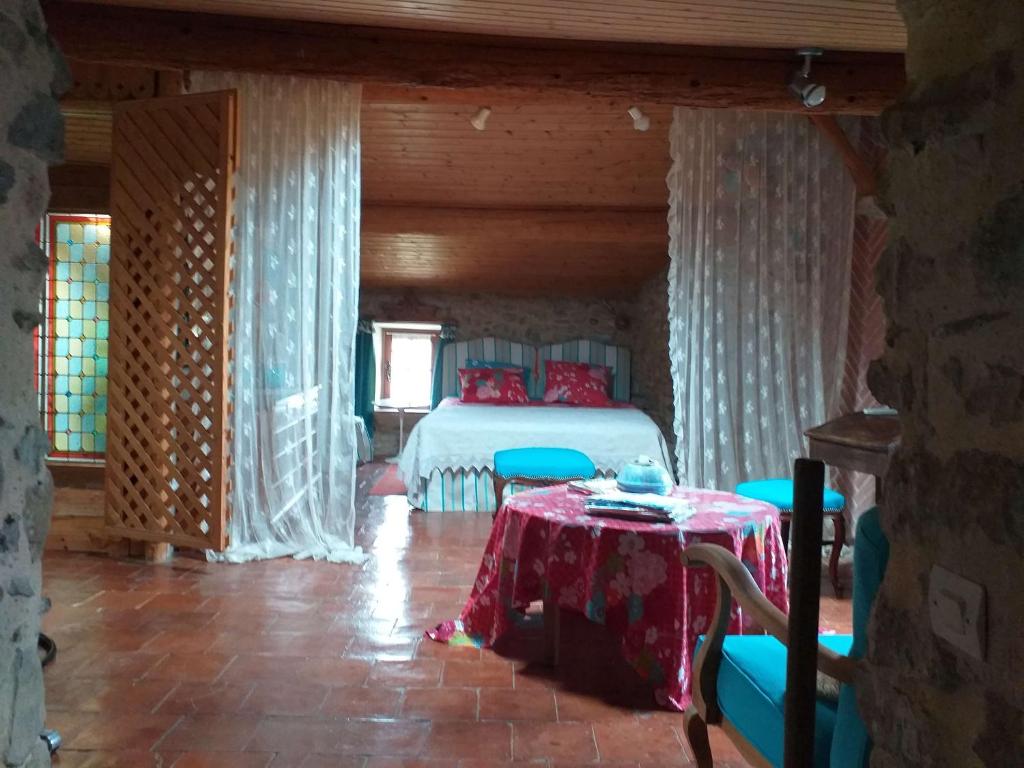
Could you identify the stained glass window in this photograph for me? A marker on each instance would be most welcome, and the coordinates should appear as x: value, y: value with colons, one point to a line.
x: 72, y: 369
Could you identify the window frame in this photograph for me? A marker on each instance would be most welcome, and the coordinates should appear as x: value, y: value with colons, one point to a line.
x: 45, y: 337
x: 386, y: 331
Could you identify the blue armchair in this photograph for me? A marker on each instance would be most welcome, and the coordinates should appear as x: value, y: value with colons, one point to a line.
x: 739, y: 681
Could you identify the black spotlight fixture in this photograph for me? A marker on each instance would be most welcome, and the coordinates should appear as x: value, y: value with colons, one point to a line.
x: 811, y: 94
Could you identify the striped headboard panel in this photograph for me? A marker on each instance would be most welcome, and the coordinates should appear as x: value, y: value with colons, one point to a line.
x: 596, y: 352
x: 488, y: 348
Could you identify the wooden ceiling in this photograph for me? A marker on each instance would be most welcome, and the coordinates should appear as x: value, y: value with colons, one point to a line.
x: 549, y: 199
x: 559, y: 195
x: 867, y: 25
x: 530, y: 155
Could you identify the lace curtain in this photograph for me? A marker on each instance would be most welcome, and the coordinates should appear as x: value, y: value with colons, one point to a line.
x: 296, y: 283
x: 761, y: 217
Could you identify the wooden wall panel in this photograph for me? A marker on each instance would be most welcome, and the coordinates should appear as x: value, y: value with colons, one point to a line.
x: 870, y: 25
x: 87, y: 134
x: 171, y: 196
x: 561, y: 267
x: 80, y: 188
x: 575, y: 252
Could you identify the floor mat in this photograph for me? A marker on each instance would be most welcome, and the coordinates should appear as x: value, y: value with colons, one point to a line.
x: 389, y: 484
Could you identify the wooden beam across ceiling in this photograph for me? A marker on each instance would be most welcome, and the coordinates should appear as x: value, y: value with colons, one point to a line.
x: 864, y: 176
x: 858, y: 83
x: 585, y: 225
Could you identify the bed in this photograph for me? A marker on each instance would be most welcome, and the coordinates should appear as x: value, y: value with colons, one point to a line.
x: 448, y: 458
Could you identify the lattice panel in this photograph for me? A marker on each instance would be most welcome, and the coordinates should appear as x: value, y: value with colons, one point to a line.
x: 171, y: 195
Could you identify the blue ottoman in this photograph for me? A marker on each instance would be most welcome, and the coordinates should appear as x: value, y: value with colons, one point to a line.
x: 538, y: 467
x: 779, y: 492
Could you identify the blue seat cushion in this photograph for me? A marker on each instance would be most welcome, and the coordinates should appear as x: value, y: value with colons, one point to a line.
x: 752, y: 687
x: 539, y: 463
x: 779, y: 493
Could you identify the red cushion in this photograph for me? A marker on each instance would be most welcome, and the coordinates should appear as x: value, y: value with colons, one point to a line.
x: 576, y: 383
x: 495, y: 386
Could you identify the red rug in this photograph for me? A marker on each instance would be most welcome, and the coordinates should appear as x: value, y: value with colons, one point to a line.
x: 388, y: 484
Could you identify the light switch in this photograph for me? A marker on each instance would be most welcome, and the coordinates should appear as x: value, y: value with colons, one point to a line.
x: 957, y: 610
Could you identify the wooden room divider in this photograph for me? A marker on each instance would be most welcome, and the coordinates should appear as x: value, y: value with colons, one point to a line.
x: 171, y: 204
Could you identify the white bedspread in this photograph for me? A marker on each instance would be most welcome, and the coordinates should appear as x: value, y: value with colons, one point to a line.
x: 466, y: 436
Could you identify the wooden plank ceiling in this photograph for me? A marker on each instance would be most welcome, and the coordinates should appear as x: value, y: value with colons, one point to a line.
x: 559, y: 195
x: 868, y: 25
x: 550, y: 199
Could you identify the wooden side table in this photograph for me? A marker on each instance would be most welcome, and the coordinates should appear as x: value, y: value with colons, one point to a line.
x: 388, y: 404
x: 858, y: 442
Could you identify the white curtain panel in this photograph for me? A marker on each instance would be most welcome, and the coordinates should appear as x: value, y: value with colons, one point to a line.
x: 295, y: 291
x: 761, y: 215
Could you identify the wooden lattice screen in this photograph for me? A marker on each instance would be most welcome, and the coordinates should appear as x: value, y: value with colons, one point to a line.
x: 171, y: 201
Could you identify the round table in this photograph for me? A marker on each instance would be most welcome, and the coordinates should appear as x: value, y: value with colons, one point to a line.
x: 626, y: 576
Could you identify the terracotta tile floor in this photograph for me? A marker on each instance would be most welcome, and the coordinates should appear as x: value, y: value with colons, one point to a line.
x: 298, y: 664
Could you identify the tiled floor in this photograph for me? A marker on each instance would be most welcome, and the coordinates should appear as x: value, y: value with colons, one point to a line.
x: 288, y: 663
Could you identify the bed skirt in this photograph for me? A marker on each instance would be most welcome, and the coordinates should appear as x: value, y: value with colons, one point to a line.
x: 461, y: 490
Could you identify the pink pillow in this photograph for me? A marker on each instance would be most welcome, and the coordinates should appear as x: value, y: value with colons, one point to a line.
x: 495, y: 386
x: 576, y: 383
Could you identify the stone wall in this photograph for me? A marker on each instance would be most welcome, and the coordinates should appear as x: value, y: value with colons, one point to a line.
x: 952, y: 281
x: 651, y: 376
x: 531, y: 320
x: 31, y: 136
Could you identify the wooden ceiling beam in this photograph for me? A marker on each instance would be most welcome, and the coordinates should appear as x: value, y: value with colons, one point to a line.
x: 544, y: 225
x: 473, y: 66
x: 864, y: 176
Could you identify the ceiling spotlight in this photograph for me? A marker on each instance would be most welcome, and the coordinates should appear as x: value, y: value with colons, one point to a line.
x: 479, y: 120
x: 811, y: 94
x: 641, y: 122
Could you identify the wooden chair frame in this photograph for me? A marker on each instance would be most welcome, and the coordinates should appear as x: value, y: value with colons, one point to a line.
x: 838, y: 541
x: 735, y: 581
x: 500, y: 481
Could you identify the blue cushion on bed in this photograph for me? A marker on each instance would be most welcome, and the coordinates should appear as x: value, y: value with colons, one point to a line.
x: 779, y: 493
x: 473, y: 362
x: 543, y: 463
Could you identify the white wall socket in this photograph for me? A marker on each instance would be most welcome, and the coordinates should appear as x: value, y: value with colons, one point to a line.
x: 957, y: 610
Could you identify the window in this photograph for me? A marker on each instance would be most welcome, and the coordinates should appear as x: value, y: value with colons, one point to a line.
x: 71, y: 370
x: 406, y: 354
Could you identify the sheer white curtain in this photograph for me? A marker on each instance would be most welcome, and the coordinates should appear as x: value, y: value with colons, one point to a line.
x: 760, y: 222
x: 295, y: 286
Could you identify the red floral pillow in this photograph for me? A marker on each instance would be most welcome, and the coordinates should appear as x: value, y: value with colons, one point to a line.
x: 495, y: 386
x: 576, y: 383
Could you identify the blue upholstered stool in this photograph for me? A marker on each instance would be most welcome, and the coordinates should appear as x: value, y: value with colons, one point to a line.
x: 779, y: 492
x: 538, y: 467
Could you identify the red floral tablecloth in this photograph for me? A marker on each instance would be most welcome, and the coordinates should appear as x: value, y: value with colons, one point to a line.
x: 626, y: 576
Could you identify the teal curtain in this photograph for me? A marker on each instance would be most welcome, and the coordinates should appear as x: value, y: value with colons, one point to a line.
x: 447, y: 336
x: 365, y: 374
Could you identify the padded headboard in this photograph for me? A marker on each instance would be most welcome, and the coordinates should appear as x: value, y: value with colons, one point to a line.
x: 596, y: 352
x: 455, y: 356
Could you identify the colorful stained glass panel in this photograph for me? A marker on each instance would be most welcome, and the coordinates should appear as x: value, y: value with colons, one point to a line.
x: 73, y: 348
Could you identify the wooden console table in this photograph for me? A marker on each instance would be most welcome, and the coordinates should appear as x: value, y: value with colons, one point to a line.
x: 857, y: 442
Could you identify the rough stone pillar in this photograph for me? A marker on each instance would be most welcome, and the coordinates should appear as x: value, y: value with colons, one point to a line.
x: 31, y: 136
x: 952, y: 281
